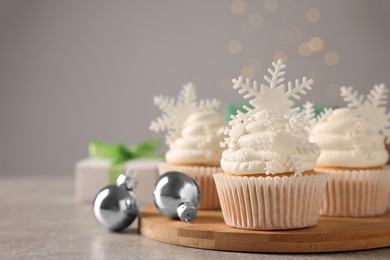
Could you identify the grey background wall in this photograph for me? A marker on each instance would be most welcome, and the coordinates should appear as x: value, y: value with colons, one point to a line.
x: 74, y: 71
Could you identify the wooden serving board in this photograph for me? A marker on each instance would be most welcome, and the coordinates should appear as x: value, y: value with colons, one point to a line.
x: 209, y: 231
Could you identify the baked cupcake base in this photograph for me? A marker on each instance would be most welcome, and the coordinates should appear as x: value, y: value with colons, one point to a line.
x: 356, y: 193
x: 271, y: 203
x: 203, y: 175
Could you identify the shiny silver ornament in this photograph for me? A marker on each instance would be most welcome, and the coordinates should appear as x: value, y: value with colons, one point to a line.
x: 115, y: 206
x: 176, y: 195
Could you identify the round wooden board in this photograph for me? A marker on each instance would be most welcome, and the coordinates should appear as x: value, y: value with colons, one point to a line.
x: 209, y: 231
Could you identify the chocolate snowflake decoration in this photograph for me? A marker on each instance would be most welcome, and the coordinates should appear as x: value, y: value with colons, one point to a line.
x: 176, y: 112
x: 372, y: 106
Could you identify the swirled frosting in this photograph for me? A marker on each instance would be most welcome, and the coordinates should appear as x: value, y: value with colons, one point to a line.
x: 269, y: 144
x: 199, y: 142
x: 349, y: 140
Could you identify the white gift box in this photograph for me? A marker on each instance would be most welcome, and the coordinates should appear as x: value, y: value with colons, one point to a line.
x: 91, y: 175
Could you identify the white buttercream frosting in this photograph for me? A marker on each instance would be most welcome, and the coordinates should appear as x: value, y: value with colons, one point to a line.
x: 349, y: 140
x: 199, y: 141
x: 270, y: 143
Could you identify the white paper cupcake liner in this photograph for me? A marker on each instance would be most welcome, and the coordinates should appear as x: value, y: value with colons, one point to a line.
x: 203, y: 175
x: 355, y: 193
x: 271, y: 203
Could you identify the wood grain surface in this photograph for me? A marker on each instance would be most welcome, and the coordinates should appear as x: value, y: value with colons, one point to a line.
x: 208, y: 231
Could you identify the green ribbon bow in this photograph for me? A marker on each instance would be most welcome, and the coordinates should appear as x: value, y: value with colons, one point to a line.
x: 119, y: 154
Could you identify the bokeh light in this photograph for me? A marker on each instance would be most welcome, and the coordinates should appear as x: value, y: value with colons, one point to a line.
x: 304, y: 49
x: 255, y: 20
x: 248, y: 72
x: 281, y: 55
x: 313, y: 15
x: 237, y: 7
x: 331, y: 58
x: 316, y: 44
x: 256, y: 63
x: 234, y: 46
x: 271, y: 5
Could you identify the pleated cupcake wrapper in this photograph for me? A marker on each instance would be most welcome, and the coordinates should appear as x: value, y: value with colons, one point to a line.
x: 356, y: 193
x: 271, y: 203
x: 203, y: 175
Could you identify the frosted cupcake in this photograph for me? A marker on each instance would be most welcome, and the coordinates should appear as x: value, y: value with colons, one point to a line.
x: 193, y: 140
x: 354, y: 155
x: 268, y: 181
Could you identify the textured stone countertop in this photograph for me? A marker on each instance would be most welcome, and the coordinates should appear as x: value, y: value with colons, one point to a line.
x: 40, y: 219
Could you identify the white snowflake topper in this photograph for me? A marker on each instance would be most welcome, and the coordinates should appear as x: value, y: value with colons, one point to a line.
x: 288, y: 142
x: 283, y: 144
x: 273, y: 96
x: 175, y: 112
x: 309, y: 114
x: 272, y: 108
x: 372, y: 107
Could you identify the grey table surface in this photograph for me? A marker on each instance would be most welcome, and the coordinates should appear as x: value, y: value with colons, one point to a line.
x: 40, y: 219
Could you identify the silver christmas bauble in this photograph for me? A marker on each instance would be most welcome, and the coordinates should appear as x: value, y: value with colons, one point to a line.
x: 115, y: 206
x: 176, y: 195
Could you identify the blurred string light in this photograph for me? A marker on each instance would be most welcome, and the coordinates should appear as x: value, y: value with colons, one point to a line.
x: 248, y: 72
x: 316, y: 44
x: 281, y: 55
x: 256, y: 63
x: 331, y: 58
x: 313, y: 15
x: 305, y: 47
x: 255, y: 20
x: 234, y: 46
x: 271, y: 5
x: 237, y: 7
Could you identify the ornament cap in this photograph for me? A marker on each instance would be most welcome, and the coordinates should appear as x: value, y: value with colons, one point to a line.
x: 186, y: 211
x: 127, y: 182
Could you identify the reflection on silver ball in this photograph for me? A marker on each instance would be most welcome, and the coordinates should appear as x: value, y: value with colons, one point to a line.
x: 115, y: 208
x: 176, y: 195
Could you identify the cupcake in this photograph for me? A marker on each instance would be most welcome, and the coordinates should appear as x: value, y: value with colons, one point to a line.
x: 354, y: 155
x: 193, y: 140
x: 268, y: 180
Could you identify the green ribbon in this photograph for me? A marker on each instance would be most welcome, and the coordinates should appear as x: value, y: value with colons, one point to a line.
x: 120, y: 154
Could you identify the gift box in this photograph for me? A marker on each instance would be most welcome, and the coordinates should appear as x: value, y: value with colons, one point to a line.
x: 105, y: 163
x: 93, y: 174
